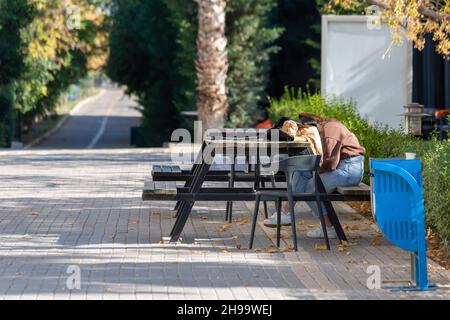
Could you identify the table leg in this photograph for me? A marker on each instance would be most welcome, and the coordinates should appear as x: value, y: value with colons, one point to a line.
x: 229, y: 214
x: 185, y: 208
x: 194, y: 169
x: 332, y: 215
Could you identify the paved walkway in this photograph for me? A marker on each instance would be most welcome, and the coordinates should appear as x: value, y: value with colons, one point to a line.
x: 99, y: 122
x: 82, y: 208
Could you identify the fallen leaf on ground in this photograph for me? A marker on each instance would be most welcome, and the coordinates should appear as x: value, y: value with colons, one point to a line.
x: 238, y: 246
x: 374, y: 243
x: 355, y: 228
x: 321, y: 248
x: 204, y: 218
x: 35, y: 213
x: 135, y: 222
x: 234, y: 238
x: 313, y: 226
x: 242, y: 221
x: 224, y: 228
x: 345, y: 245
x: 226, y: 250
x: 301, y: 222
x: 289, y: 248
x: 378, y: 234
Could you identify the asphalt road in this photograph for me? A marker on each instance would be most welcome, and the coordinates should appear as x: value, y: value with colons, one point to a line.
x: 101, y: 122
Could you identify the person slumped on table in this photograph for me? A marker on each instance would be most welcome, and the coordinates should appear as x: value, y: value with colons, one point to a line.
x: 342, y: 166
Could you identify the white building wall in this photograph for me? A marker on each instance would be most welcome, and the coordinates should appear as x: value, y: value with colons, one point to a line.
x: 353, y: 67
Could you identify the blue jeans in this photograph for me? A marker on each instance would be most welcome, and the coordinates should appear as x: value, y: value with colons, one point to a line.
x: 350, y: 172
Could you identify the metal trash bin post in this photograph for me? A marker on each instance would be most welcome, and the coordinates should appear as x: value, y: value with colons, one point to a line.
x: 398, y: 208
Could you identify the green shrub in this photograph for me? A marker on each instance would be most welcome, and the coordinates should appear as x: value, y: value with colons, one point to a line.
x: 383, y: 142
x: 436, y: 172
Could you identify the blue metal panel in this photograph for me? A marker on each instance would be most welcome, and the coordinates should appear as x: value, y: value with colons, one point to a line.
x: 398, y: 205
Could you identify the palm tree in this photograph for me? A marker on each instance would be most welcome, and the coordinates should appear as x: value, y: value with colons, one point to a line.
x: 212, y: 63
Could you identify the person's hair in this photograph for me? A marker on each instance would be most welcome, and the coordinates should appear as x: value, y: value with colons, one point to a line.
x: 311, y: 116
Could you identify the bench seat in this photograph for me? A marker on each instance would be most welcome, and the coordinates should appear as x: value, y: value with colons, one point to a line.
x: 166, y: 169
x: 361, y: 190
x: 159, y: 191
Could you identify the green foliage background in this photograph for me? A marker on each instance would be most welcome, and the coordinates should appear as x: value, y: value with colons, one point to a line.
x: 14, y: 16
x: 32, y: 84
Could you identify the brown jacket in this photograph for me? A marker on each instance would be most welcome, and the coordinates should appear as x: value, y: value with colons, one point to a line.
x: 338, y: 143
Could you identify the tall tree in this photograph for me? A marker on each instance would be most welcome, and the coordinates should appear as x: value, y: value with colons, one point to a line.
x: 212, y: 63
x: 251, y: 37
x: 142, y: 49
x: 14, y: 16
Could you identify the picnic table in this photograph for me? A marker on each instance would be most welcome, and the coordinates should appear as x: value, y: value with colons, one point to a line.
x: 248, y: 146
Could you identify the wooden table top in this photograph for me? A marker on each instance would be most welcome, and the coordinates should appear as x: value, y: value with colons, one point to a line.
x: 254, y: 142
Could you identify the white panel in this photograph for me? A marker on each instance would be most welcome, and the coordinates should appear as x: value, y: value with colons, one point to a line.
x: 353, y: 67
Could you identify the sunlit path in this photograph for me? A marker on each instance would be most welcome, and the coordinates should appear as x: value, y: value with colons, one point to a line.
x: 104, y: 121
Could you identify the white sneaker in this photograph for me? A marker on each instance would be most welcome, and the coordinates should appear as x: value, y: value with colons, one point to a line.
x: 318, y: 233
x: 272, y: 221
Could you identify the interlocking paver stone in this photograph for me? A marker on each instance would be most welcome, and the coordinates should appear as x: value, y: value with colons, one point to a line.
x: 83, y: 208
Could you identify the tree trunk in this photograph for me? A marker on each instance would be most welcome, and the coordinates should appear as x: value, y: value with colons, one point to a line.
x: 212, y: 63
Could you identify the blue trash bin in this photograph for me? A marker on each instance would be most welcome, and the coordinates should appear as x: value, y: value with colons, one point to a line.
x: 398, y: 208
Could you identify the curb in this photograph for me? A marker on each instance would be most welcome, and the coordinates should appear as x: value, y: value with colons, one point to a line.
x: 62, y: 121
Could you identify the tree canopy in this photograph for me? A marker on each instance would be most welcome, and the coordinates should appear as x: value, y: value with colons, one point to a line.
x: 45, y: 46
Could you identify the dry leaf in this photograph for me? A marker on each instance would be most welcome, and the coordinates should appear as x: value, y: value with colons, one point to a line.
x: 224, y: 228
x: 135, y: 222
x: 272, y: 250
x: 204, y: 218
x: 234, y: 238
x: 242, y: 222
x: 35, y: 213
x: 301, y: 222
x: 238, y: 246
x: 378, y: 234
x: 355, y: 228
x: 343, y: 246
x: 226, y: 250
x: 374, y: 243
x: 289, y: 248
x: 321, y: 248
